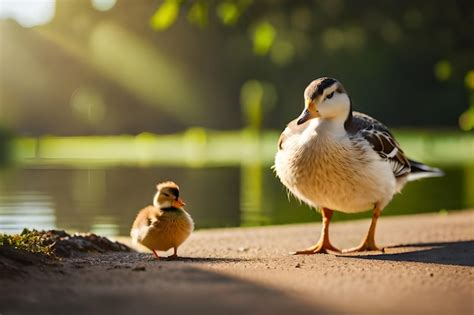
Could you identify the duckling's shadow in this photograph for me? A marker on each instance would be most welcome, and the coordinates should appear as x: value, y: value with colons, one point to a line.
x: 201, y: 259
x: 446, y: 253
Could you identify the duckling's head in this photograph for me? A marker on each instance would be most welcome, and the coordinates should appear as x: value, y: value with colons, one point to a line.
x: 325, y: 98
x: 167, y: 196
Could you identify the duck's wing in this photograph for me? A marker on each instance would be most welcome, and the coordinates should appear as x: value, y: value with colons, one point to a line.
x: 143, y: 217
x: 381, y: 140
x: 291, y: 129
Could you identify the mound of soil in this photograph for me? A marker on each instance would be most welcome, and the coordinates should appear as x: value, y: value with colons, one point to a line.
x: 64, y: 245
x: 57, y: 244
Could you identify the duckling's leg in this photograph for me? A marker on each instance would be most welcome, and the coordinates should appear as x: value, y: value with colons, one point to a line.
x: 175, y: 253
x: 369, y: 241
x: 156, y: 255
x: 323, y: 245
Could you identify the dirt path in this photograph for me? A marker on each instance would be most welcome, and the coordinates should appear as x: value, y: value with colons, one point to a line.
x: 427, y: 268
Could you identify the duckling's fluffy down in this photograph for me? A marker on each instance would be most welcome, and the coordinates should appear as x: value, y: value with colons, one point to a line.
x: 161, y: 230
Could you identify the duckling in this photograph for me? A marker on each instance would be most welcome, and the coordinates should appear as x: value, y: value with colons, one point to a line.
x: 165, y: 224
x: 333, y: 158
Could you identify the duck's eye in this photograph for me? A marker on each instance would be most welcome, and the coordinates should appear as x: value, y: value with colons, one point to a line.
x: 330, y: 95
x: 167, y: 195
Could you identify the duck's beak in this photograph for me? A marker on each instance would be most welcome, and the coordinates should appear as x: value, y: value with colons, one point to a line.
x: 304, y: 117
x: 308, y: 113
x: 178, y: 203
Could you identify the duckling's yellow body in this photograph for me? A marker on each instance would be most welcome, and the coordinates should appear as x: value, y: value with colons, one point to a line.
x: 165, y: 224
x: 162, y: 230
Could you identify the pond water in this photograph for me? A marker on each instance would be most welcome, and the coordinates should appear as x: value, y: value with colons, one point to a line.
x: 106, y: 199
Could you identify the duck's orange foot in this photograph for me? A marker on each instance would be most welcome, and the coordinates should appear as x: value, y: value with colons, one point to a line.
x: 318, y: 248
x: 364, y: 247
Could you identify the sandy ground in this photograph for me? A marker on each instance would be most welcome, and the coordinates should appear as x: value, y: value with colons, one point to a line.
x: 426, y: 268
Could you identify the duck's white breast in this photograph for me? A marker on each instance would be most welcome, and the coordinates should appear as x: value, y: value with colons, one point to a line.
x: 330, y: 170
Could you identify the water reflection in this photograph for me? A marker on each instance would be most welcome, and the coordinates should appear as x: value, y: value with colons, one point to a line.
x: 105, y: 200
x: 26, y: 208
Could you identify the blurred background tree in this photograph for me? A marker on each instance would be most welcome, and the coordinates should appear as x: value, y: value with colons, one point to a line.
x: 113, y: 67
x: 5, y: 137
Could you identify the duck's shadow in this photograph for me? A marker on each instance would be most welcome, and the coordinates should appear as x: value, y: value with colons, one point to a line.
x: 447, y: 253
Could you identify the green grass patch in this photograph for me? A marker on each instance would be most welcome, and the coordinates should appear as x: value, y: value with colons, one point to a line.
x: 58, y: 243
x: 32, y: 241
x: 198, y: 147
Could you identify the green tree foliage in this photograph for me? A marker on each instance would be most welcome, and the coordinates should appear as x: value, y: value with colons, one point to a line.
x: 176, y: 64
x: 425, y: 46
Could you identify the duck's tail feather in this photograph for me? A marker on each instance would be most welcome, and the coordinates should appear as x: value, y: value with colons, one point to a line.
x: 420, y: 170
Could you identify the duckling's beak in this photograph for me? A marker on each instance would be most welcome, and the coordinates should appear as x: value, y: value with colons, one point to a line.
x: 178, y: 203
x: 308, y: 113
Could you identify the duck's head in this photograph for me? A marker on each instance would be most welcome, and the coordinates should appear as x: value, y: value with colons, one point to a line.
x: 325, y: 98
x: 167, y: 196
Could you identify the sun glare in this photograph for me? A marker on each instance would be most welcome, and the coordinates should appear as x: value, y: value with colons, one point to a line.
x: 28, y: 13
x: 103, y: 5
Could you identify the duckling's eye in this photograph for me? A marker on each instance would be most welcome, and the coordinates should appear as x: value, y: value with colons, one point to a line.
x: 330, y: 95
x: 167, y: 195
